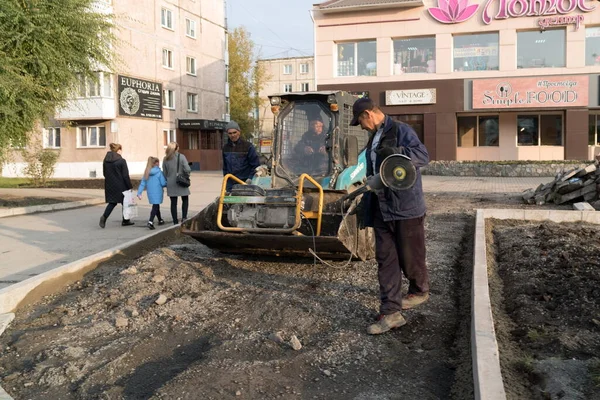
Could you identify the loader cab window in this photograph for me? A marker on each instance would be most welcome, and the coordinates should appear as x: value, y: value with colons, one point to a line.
x: 305, y: 139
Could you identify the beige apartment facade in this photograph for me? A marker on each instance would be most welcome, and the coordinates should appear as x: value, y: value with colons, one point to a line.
x: 489, y: 80
x: 169, y: 85
x: 284, y: 75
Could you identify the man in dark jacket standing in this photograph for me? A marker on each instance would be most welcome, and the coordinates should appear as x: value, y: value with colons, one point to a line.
x: 239, y: 156
x: 116, y: 181
x: 396, y: 216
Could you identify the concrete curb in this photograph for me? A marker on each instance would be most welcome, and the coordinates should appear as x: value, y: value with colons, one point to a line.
x: 11, y: 212
x: 487, y: 374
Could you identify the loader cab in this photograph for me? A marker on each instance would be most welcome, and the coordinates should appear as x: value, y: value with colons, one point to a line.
x: 312, y: 135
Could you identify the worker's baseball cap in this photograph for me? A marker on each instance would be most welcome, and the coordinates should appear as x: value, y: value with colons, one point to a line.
x: 359, y: 106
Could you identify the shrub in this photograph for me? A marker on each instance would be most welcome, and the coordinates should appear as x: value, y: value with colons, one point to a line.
x: 40, y: 163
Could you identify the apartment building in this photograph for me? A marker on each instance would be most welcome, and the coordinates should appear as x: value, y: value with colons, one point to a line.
x: 169, y: 85
x: 489, y: 80
x: 284, y: 75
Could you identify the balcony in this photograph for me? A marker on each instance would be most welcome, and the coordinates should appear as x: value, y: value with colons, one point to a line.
x: 88, y: 108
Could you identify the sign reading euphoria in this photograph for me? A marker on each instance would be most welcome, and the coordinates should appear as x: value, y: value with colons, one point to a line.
x: 139, y: 98
x: 551, y: 12
x: 535, y: 92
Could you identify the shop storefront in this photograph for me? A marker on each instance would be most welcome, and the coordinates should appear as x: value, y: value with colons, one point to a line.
x: 495, y: 80
x: 202, y: 142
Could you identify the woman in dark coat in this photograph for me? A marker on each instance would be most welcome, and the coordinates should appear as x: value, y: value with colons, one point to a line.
x: 116, y: 181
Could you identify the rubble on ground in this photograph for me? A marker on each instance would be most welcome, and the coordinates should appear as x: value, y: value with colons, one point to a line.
x: 571, y: 186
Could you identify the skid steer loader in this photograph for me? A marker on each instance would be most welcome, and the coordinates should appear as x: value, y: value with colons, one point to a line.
x: 299, y: 201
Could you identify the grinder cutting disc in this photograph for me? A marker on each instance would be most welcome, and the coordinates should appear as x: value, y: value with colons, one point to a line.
x: 398, y: 172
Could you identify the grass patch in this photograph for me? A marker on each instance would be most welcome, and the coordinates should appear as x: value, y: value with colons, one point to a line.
x: 8, y: 183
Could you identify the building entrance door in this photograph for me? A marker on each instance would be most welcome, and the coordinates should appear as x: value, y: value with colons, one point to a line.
x: 414, y: 120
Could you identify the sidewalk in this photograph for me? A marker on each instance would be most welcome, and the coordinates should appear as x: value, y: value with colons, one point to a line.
x: 35, y: 243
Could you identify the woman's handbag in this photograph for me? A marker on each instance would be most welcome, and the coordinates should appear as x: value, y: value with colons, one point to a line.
x: 182, y: 179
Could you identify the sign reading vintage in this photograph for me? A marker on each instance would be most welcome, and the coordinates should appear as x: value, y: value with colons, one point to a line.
x: 139, y: 98
x: 408, y: 97
x: 534, y: 92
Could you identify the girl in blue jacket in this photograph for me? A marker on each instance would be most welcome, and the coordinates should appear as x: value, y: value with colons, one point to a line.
x: 154, y: 181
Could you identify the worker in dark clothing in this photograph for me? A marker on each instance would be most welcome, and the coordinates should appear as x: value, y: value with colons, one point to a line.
x: 397, y: 217
x: 311, y: 150
x: 239, y: 156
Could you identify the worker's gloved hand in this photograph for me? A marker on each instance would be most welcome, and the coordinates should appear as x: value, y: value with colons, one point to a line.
x: 384, y: 152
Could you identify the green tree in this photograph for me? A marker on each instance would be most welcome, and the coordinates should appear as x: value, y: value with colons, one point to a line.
x: 245, y: 80
x: 46, y: 46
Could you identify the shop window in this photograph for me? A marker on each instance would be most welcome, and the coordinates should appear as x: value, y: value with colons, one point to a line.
x: 477, y: 52
x: 592, y: 46
x: 545, y: 49
x: 478, y: 131
x: 194, y: 141
x: 415, y: 121
x: 52, y: 138
x: 357, y: 59
x: 414, y: 55
x: 169, y: 136
x: 91, y: 136
x: 210, y: 141
x: 594, y: 130
x: 535, y: 129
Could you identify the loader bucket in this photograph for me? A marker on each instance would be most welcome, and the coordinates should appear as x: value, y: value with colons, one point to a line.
x: 338, y: 240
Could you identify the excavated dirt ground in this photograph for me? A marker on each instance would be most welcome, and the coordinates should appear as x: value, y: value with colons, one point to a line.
x: 225, y: 329
x: 546, y: 295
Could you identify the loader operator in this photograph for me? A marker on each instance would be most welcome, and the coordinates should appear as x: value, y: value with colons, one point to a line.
x: 311, y: 150
x: 396, y: 216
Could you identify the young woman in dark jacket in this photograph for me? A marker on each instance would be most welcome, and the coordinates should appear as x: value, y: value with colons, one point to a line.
x: 116, y: 181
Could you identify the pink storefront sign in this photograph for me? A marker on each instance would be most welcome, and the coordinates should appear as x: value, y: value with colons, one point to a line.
x: 534, y: 92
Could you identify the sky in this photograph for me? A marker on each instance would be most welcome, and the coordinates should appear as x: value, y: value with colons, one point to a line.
x: 278, y: 28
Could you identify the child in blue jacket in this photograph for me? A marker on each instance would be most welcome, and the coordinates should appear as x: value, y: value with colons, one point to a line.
x: 154, y: 181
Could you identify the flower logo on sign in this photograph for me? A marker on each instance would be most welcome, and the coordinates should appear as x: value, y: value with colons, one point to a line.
x: 453, y: 11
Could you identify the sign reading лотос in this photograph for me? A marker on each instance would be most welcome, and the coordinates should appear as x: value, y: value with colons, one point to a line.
x: 139, y: 98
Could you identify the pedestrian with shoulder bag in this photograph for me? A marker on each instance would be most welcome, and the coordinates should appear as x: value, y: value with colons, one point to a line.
x: 177, y: 172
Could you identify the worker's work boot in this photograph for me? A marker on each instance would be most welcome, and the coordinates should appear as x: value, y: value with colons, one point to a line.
x: 412, y: 300
x: 386, y: 322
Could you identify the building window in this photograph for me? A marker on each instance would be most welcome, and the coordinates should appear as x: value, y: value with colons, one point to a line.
x: 304, y: 68
x: 190, y: 65
x: 545, y: 49
x: 52, y: 138
x: 592, y: 46
x: 91, y: 136
x: 190, y: 28
x: 414, y: 55
x: 167, y: 58
x: 192, y: 102
x: 107, y: 85
x: 415, y: 121
x: 357, y: 59
x: 169, y: 99
x: 535, y: 129
x: 166, y: 18
x: 169, y: 136
x: 287, y: 88
x: 101, y: 85
x: 478, y: 131
x: 594, y: 130
x: 287, y: 69
x: 478, y: 52
x: 304, y: 87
